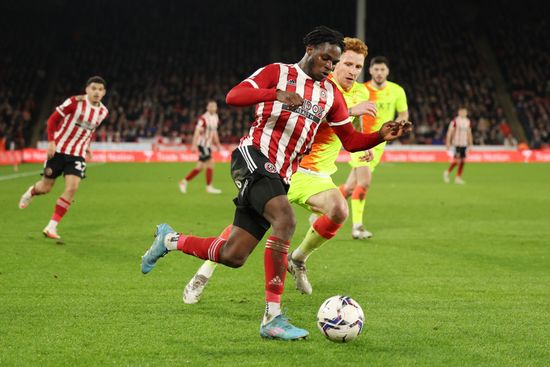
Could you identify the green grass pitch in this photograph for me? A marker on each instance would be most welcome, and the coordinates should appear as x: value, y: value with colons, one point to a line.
x: 454, y: 276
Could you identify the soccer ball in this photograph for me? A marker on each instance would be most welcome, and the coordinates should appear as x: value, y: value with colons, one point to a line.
x: 340, y: 319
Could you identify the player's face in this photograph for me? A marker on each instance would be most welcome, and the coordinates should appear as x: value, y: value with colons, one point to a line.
x: 212, y: 107
x: 379, y: 73
x: 95, y: 92
x: 322, y: 60
x: 462, y: 112
x: 348, y: 69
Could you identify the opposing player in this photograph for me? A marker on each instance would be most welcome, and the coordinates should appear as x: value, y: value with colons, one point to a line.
x: 459, y: 136
x: 70, y: 130
x: 312, y: 185
x: 292, y: 101
x: 204, y: 137
x: 390, y: 100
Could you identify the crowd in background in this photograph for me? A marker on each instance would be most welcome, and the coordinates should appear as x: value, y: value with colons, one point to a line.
x: 162, y: 65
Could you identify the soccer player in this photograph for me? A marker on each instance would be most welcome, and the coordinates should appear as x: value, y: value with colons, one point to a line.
x: 70, y: 130
x: 390, y: 100
x: 291, y: 102
x: 205, y: 136
x: 459, y: 135
x: 312, y: 187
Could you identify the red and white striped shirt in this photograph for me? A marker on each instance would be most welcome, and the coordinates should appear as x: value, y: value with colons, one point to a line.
x: 283, y: 135
x: 461, y: 127
x: 209, y: 125
x: 80, y: 119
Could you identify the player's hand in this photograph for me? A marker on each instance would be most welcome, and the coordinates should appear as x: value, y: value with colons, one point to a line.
x: 367, y: 157
x: 88, y: 154
x: 364, y: 108
x: 392, y: 130
x: 51, y: 149
x: 291, y: 99
x: 194, y: 149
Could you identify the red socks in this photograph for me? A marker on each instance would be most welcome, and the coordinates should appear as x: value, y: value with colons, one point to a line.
x: 192, y: 174
x: 61, y: 207
x: 451, y: 167
x: 460, y: 168
x: 275, y: 264
x: 359, y: 193
x: 209, y: 174
x: 326, y: 227
x: 203, y: 248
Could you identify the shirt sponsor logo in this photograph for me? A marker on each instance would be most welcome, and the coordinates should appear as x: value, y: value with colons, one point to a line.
x: 309, y: 110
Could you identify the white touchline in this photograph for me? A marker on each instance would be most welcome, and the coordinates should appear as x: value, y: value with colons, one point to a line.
x: 32, y: 173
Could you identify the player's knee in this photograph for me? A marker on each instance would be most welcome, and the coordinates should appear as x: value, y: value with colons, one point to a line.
x: 234, y: 260
x: 339, y: 213
x: 285, y: 225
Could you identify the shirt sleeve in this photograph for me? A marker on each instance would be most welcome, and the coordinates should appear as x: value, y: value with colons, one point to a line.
x: 67, y: 107
x: 338, y: 113
x: 401, y: 102
x: 259, y: 87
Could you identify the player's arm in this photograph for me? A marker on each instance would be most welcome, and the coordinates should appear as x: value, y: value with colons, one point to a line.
x: 216, y: 140
x: 470, y: 137
x: 403, y: 116
x: 401, y: 106
x: 354, y: 141
x: 450, y: 132
x: 261, y: 87
x: 56, y: 118
x: 196, y: 135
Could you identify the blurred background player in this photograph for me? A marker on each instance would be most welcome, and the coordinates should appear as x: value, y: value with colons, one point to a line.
x: 390, y: 100
x: 459, y: 136
x: 292, y: 101
x: 311, y: 185
x: 204, y: 137
x: 70, y: 130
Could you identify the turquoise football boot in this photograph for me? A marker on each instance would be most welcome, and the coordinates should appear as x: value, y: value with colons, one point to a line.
x: 280, y: 328
x: 157, y: 249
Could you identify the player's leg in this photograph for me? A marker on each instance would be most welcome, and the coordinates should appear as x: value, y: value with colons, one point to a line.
x: 192, y: 174
x: 53, y: 168
x: 41, y: 187
x: 460, y: 161
x: 453, y: 164
x: 194, y: 289
x: 347, y: 188
x: 209, y: 176
x: 62, y: 205
x: 320, y: 195
x: 335, y: 211
x: 364, y: 178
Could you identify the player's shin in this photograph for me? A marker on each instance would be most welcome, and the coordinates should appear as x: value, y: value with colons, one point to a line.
x: 358, y: 204
x: 275, y: 263
x: 321, y: 231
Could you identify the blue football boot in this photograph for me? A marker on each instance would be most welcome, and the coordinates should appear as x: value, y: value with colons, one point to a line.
x: 280, y: 328
x: 157, y: 249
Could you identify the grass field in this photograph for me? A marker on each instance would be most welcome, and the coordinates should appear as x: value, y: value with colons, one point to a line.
x: 455, y: 275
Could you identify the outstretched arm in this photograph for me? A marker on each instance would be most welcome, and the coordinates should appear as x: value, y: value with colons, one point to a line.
x: 354, y: 141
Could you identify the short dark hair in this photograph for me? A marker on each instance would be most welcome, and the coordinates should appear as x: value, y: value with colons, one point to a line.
x: 96, y: 79
x: 380, y: 60
x: 322, y: 34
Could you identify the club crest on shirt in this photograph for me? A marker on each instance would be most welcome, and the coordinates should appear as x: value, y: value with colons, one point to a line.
x: 270, y: 167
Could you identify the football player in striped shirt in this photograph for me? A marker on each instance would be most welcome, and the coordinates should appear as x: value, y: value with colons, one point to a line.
x: 459, y: 136
x: 291, y: 102
x: 390, y: 101
x: 204, y: 137
x: 70, y: 129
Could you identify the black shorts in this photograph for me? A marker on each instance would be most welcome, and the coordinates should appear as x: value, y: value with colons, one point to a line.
x: 258, y: 182
x: 64, y: 164
x: 460, y: 152
x: 205, y: 154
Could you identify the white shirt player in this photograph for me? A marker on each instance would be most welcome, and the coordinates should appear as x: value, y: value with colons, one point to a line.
x: 461, y: 126
x: 208, y: 123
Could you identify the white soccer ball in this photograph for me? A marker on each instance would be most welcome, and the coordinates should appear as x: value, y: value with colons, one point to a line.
x: 340, y: 319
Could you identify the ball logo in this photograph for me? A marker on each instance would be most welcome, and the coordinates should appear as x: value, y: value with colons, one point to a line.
x: 270, y: 167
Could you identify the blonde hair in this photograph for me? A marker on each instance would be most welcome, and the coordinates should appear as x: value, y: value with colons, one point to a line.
x: 356, y: 45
